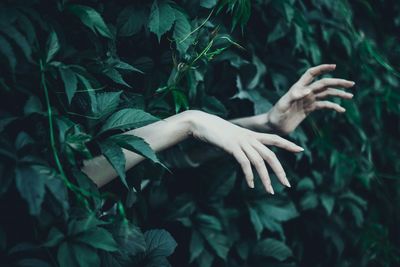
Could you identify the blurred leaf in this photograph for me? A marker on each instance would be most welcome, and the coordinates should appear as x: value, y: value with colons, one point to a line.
x: 272, y: 248
x: 91, y: 18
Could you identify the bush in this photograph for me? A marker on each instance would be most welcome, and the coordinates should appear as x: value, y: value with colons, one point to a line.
x: 75, y: 75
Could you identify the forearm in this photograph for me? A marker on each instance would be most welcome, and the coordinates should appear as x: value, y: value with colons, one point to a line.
x: 159, y: 135
x: 259, y: 123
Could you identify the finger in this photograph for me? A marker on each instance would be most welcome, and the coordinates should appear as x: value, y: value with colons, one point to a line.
x: 334, y: 92
x: 329, y: 105
x: 273, y: 161
x: 244, y: 163
x: 313, y: 72
x: 258, y: 162
x: 330, y: 82
x: 276, y: 140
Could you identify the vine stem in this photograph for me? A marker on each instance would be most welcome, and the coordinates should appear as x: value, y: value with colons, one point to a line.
x: 50, y: 118
x: 70, y: 185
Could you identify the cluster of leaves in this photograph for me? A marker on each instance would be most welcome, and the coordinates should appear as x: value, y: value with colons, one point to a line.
x: 76, y: 75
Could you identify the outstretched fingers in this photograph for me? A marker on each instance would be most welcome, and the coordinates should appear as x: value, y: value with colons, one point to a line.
x: 244, y: 163
x: 322, y: 84
x: 259, y: 164
x: 329, y: 105
x: 273, y: 161
x: 314, y: 72
x: 276, y: 140
x: 335, y: 93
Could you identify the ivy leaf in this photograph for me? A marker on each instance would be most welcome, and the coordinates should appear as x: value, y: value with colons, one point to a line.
x: 91, y: 18
x: 19, y: 39
x: 159, y: 243
x: 208, y: 3
x: 272, y: 248
x: 131, y: 20
x: 135, y: 144
x: 31, y: 186
x: 53, y: 46
x: 65, y: 256
x: 114, y: 75
x: 127, y: 119
x: 196, y: 246
x: 327, y: 202
x: 115, y: 157
x: 162, y: 17
x: 54, y: 237
x: 182, y: 32
x: 7, y: 50
x: 70, y: 81
x: 98, y: 238
x: 256, y: 221
x: 79, y: 255
x: 107, y: 102
x: 33, y: 105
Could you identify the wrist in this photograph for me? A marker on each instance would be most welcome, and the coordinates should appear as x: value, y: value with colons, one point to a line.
x: 190, y: 120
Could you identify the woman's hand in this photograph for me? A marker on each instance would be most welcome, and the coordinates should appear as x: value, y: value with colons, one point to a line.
x: 248, y: 147
x: 303, y: 97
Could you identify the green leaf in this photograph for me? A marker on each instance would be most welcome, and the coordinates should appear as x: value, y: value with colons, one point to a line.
x: 19, y: 39
x: 211, y: 229
x: 127, y: 119
x: 256, y: 221
x: 54, y: 237
x: 180, y: 100
x: 182, y: 32
x: 86, y: 256
x: 53, y: 46
x: 91, y: 18
x: 196, y: 246
x: 309, y: 201
x: 272, y: 248
x: 162, y: 17
x: 107, y: 102
x: 70, y: 81
x: 31, y: 186
x: 208, y: 3
x: 32, y: 263
x: 131, y: 20
x: 159, y: 243
x: 7, y: 50
x: 98, y: 238
x: 115, y: 157
x: 33, y: 105
x: 116, y: 76
x: 327, y: 202
x: 66, y: 256
x: 135, y: 144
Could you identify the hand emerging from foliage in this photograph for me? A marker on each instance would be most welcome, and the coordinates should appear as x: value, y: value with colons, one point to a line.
x: 248, y: 147
x: 304, y: 97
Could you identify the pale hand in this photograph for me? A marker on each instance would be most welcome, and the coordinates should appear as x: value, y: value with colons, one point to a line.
x: 249, y: 148
x: 304, y: 97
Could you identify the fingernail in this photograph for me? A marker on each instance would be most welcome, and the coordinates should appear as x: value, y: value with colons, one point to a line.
x: 252, y: 184
x: 353, y: 83
x: 271, y: 190
x: 334, y: 65
x: 300, y: 149
x: 287, y: 182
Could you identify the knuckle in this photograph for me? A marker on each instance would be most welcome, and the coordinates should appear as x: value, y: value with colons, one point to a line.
x: 258, y: 162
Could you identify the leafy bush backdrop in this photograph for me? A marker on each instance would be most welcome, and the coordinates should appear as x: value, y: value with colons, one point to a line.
x: 74, y: 74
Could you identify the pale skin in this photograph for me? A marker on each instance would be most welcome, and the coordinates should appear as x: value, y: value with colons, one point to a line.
x: 244, y: 138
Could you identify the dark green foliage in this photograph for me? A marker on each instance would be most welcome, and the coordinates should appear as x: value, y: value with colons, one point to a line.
x: 75, y: 75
